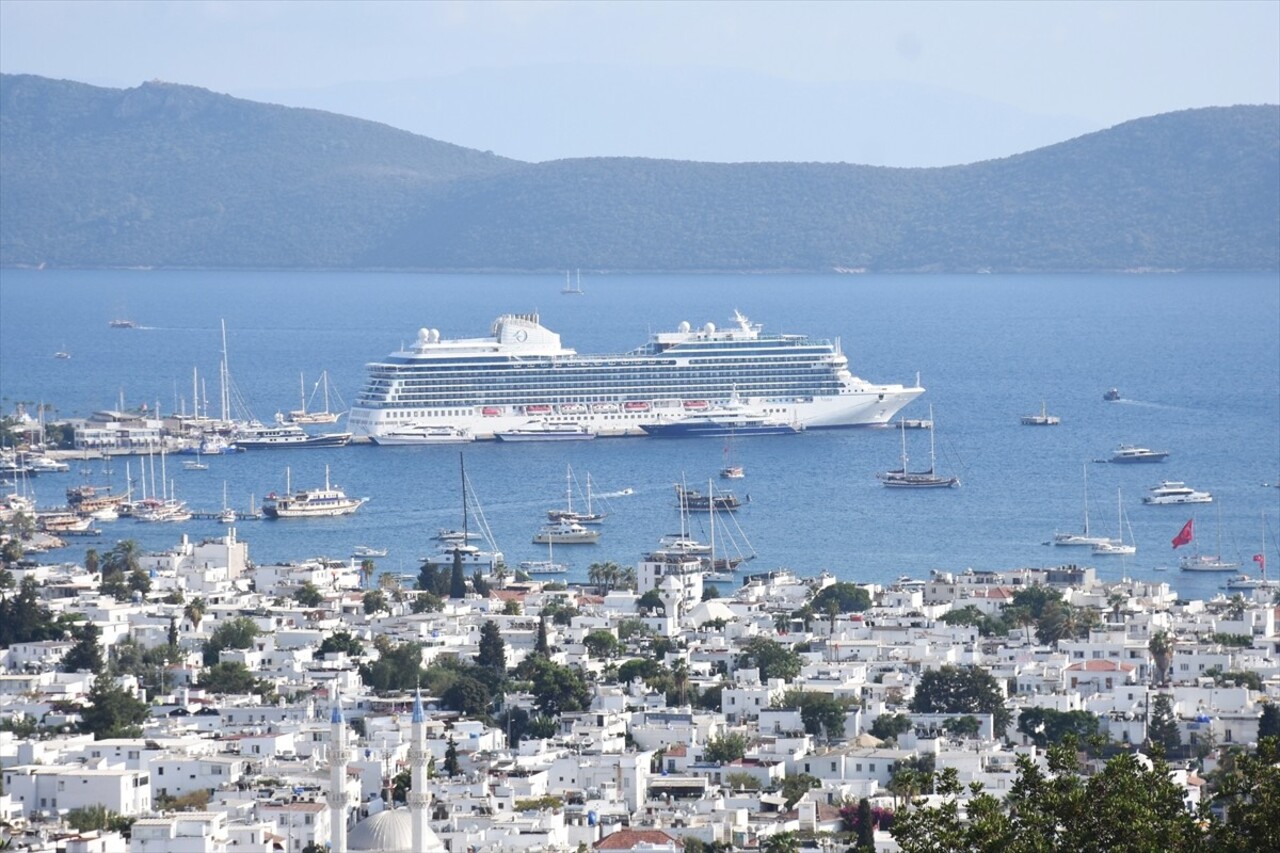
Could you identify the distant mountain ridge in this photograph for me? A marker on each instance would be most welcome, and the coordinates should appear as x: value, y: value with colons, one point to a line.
x: 167, y: 175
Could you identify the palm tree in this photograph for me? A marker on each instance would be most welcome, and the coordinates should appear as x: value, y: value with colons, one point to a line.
x: 1161, y: 648
x: 194, y: 612
x: 367, y: 568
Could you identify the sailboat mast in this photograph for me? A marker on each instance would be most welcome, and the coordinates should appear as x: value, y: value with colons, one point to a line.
x: 932, y: 462
x: 225, y: 398
x: 1086, y: 499
x: 462, y: 468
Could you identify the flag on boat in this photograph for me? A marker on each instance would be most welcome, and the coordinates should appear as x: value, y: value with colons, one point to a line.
x: 1186, y: 534
x: 1261, y: 560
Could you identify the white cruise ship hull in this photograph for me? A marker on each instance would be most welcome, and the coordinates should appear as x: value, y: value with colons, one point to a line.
x: 497, y: 384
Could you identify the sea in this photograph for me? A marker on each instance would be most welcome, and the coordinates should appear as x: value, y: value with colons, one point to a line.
x: 1195, y: 357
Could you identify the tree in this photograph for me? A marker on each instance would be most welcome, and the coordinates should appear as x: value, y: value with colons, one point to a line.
x: 773, y: 659
x: 123, y: 559
x: 468, y: 696
x: 962, y: 690
x: 1250, y: 794
x: 451, y: 767
x: 231, y: 677
x: 556, y: 689
x: 651, y: 602
x: 966, y: 726
x: 780, y: 842
x: 367, y: 570
x: 1161, y: 647
x: 726, y: 748
x: 308, y: 595
x: 341, y: 641
x: 194, y: 612
x: 889, y: 726
x: 375, y: 601
x: 847, y: 598
x: 112, y: 712
x: 1162, y: 727
x: 86, y: 654
x: 602, y: 644
x: 1269, y: 722
x: 493, y: 650
x: 457, y: 580
x: 865, y: 827
x: 1045, y: 726
x: 237, y: 633
x: 398, y: 668
x: 822, y: 713
x: 541, y: 646
x: 796, y: 786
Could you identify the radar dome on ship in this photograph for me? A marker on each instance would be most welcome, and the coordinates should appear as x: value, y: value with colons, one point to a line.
x: 424, y: 336
x: 435, y: 336
x: 684, y: 327
x: 709, y: 329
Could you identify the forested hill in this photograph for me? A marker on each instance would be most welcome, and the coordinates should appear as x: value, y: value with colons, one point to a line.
x: 174, y: 176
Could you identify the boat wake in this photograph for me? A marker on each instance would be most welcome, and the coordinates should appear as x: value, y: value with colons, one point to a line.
x: 621, y: 493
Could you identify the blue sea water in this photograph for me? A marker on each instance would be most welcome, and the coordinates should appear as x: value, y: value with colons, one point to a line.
x: 1196, y: 358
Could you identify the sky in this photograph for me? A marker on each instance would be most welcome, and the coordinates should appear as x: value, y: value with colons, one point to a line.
x: 1098, y: 63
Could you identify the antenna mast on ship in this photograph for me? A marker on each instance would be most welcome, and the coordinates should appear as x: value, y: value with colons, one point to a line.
x: 222, y: 375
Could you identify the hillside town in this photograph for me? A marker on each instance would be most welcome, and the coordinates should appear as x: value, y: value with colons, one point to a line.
x: 192, y: 701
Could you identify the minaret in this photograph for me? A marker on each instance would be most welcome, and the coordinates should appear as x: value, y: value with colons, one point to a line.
x: 338, y: 757
x: 418, y: 796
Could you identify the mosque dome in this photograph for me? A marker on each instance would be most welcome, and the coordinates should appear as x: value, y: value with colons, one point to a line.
x: 390, y: 831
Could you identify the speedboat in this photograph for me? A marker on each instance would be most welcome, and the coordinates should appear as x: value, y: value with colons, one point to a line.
x: 1175, y: 492
x: 1132, y: 453
x: 365, y: 552
x: 688, y: 499
x: 1111, y: 396
x: 1113, y: 549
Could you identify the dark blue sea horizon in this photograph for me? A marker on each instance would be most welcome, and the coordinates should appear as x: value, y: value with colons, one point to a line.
x: 1195, y: 357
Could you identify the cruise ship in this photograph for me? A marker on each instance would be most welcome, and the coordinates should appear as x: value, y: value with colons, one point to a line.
x: 522, y: 371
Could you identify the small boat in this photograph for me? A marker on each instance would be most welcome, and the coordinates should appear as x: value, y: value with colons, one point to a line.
x: 1175, y: 492
x: 688, y: 499
x: 195, y: 464
x: 1127, y: 453
x: 732, y: 472
x: 542, y: 567
x: 62, y: 354
x: 1245, y: 583
x: 916, y: 423
x: 1112, y: 395
x: 122, y: 323
x: 366, y: 552
x: 1042, y: 419
x: 565, y: 533
x: 310, y: 503
x: 903, y: 478
x: 424, y: 434
x: 546, y: 431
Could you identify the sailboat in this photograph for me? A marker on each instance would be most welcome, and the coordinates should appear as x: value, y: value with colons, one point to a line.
x: 570, y: 288
x: 458, y: 543
x: 1244, y: 582
x: 1117, y: 547
x: 228, y: 515
x: 302, y: 416
x: 1197, y: 562
x: 1083, y: 538
x: 731, y: 471
x: 569, y: 514
x: 902, y: 478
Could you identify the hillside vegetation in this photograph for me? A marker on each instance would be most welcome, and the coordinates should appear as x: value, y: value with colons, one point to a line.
x: 175, y: 176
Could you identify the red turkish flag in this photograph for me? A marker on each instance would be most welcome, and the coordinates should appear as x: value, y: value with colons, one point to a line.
x: 1186, y: 534
x: 1261, y: 561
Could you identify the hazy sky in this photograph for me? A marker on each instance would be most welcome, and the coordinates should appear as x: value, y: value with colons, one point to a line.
x: 1103, y: 62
